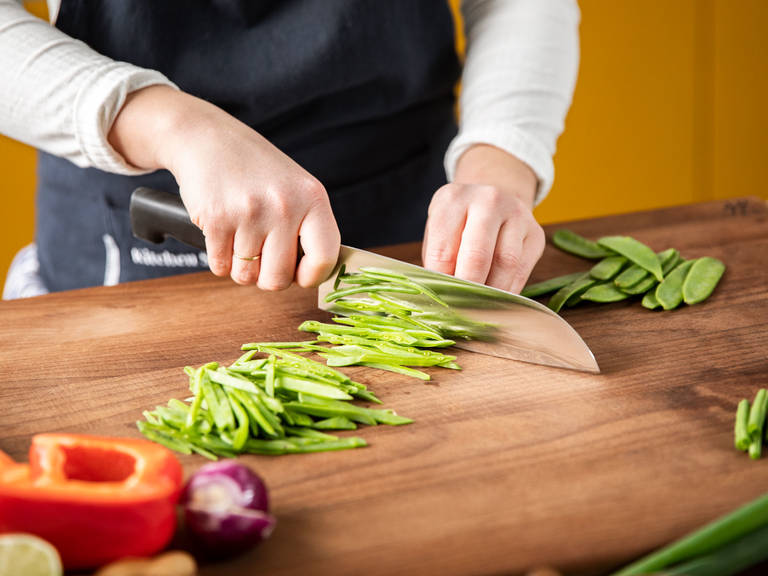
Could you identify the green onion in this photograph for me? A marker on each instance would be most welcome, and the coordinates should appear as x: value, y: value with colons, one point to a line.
x: 741, y: 436
x: 706, y: 540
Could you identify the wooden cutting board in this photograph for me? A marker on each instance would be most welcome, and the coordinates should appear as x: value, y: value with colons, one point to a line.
x: 507, y: 466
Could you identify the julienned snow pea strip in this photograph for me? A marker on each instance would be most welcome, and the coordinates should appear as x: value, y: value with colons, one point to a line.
x: 578, y: 245
x: 635, y: 251
x: 336, y: 423
x: 232, y: 413
x: 702, y: 279
x: 729, y: 528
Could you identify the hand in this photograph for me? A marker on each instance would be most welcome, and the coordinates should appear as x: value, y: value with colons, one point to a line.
x: 480, y: 227
x: 247, y: 197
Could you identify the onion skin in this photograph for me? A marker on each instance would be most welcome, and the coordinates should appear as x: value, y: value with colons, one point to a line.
x: 226, y: 509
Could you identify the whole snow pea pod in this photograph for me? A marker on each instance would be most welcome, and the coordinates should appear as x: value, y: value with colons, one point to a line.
x: 607, y: 268
x: 635, y: 251
x: 578, y: 245
x: 650, y: 301
x: 606, y: 292
x: 551, y: 285
x: 702, y: 279
x: 578, y: 286
x: 669, y: 259
x: 670, y: 292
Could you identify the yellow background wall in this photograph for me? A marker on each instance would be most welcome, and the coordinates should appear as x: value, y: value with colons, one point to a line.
x: 671, y: 107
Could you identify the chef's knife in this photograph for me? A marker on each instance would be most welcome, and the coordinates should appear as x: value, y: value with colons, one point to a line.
x: 510, y: 325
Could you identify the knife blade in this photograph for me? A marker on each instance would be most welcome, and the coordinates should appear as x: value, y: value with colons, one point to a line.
x: 519, y: 328
x: 515, y: 327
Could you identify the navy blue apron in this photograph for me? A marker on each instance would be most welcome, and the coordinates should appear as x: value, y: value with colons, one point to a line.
x: 358, y: 92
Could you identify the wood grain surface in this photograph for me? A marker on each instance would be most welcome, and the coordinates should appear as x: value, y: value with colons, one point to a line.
x: 507, y: 466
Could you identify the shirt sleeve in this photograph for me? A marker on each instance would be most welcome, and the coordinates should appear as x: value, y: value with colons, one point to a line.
x: 519, y: 75
x: 59, y: 95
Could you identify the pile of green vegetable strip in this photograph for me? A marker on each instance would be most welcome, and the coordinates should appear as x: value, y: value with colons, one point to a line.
x: 749, y: 429
x: 281, y: 404
x: 628, y: 268
x: 286, y: 402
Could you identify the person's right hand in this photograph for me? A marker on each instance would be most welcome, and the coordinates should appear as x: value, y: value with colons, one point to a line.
x: 253, y: 203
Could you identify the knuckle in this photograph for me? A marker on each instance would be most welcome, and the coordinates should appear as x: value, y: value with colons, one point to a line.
x: 492, y: 196
x: 313, y: 190
x: 446, y: 194
x: 507, y: 260
x: 281, y: 205
x: 218, y: 265
x: 477, y: 256
x: 245, y: 275
x: 273, y: 283
x: 249, y: 210
x: 538, y: 239
x: 439, y: 255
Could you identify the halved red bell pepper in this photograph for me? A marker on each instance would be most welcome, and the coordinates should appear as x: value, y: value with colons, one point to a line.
x: 96, y: 499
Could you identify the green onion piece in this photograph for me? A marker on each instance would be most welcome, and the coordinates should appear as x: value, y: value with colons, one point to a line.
x: 756, y: 447
x: 756, y: 420
x: 741, y: 436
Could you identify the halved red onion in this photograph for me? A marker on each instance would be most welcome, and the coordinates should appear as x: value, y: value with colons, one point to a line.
x: 226, y: 508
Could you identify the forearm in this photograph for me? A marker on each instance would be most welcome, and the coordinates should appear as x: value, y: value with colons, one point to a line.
x: 59, y: 95
x: 518, y: 80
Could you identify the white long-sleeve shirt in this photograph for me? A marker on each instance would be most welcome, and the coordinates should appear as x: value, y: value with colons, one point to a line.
x: 59, y: 95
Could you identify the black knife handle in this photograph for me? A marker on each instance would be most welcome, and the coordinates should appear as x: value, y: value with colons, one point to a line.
x: 156, y: 214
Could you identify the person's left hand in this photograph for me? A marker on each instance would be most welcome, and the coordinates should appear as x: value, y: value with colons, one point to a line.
x: 481, y: 227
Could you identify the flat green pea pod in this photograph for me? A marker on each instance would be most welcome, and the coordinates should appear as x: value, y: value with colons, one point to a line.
x: 607, y: 268
x: 578, y: 286
x: 572, y: 243
x: 669, y: 259
x: 650, y: 301
x: 633, y: 275
x: 551, y: 285
x: 635, y: 251
x: 606, y: 292
x: 670, y: 292
x: 702, y: 279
